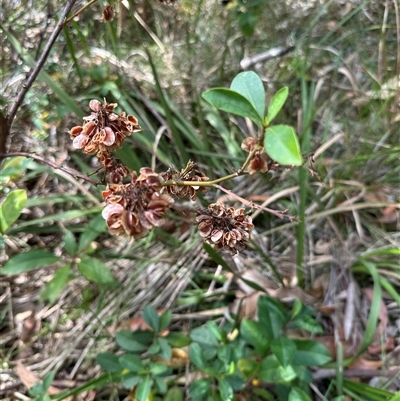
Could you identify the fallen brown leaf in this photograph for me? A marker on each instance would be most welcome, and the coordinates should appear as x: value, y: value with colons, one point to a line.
x: 28, y: 379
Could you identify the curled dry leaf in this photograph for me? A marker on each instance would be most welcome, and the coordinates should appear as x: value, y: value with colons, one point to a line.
x: 362, y: 363
x: 179, y: 358
x: 28, y: 379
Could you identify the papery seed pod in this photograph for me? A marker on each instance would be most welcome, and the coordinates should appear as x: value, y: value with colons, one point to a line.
x: 225, y: 228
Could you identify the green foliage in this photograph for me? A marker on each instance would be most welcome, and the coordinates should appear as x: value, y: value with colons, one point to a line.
x: 246, y: 98
x: 226, y: 364
x: 11, y: 208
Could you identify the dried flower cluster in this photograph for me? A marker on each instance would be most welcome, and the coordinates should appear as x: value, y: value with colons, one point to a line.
x: 136, y: 207
x: 226, y: 228
x: 189, y: 173
x: 103, y: 130
x: 259, y: 162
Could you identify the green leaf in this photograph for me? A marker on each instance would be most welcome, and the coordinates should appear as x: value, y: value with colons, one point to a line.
x: 93, y: 230
x: 53, y: 288
x: 199, y: 388
x: 218, y: 333
x: 306, y: 322
x: 197, y: 356
x: 160, y: 384
x: 143, y: 389
x: 310, y: 353
x: 204, y: 337
x: 232, y: 102
x: 282, y: 145
x: 11, y: 208
x: 130, y: 380
x: 297, y: 394
x: 131, y: 362
x: 249, y: 85
x: 178, y: 340
x: 284, y: 349
x: 225, y: 353
x: 96, y: 271
x: 273, y: 372
x: 174, y: 394
x: 150, y: 316
x: 109, y: 362
x: 165, y: 319
x: 276, y: 104
x: 48, y: 379
x: 124, y: 340
x: 165, y: 349
x: 28, y: 261
x: 159, y: 369
x: 225, y: 389
x: 70, y: 244
x: 254, y: 334
x: 272, y: 316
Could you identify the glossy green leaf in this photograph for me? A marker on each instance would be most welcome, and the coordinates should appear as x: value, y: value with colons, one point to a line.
x: 131, y: 362
x: 273, y: 372
x: 109, y: 362
x: 197, y: 356
x: 297, y: 394
x: 284, y: 349
x: 150, y: 316
x: 249, y: 85
x: 11, y: 208
x: 276, y: 103
x: 254, y: 334
x: 70, y: 244
x: 225, y: 389
x: 199, y: 388
x: 143, y: 389
x: 53, y: 288
x: 232, y: 102
x: 282, y: 145
x: 174, y: 394
x: 95, y: 270
x: 310, y: 353
x: 28, y: 261
x: 96, y: 226
x: 272, y: 316
x: 126, y: 341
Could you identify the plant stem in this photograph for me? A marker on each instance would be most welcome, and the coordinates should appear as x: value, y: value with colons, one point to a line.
x: 40, y: 63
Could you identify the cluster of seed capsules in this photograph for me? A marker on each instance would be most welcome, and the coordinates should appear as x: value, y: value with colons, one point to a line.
x: 135, y: 203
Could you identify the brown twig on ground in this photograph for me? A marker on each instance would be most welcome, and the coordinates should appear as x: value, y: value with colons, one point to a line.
x: 74, y: 173
x: 12, y: 111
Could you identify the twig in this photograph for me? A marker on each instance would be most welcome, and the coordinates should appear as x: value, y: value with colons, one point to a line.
x: 279, y: 213
x: 12, y: 111
x: 79, y: 11
x: 68, y: 170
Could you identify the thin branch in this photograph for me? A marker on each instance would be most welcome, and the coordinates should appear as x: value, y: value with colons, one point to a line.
x: 74, y: 173
x: 40, y: 63
x: 79, y: 11
x: 279, y: 213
